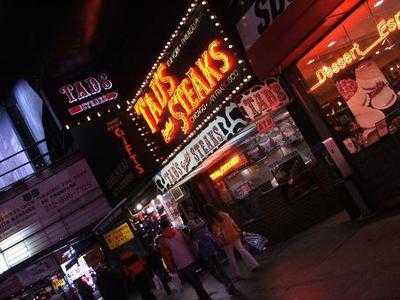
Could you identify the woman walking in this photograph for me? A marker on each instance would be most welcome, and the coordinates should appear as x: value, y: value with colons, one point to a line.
x: 206, y: 249
x: 227, y: 233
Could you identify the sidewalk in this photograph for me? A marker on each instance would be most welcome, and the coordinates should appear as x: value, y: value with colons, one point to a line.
x: 333, y: 260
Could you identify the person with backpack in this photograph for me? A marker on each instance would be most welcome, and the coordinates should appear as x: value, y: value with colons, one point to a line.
x: 178, y: 257
x: 227, y: 233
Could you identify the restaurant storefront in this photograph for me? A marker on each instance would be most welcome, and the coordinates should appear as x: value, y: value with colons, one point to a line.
x: 352, y: 76
x: 228, y: 139
x: 341, y: 62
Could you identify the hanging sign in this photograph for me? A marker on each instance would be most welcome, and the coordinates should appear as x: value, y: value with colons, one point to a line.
x: 118, y: 236
x: 115, y: 126
x: 76, y: 98
x: 222, y: 128
x: 264, y: 98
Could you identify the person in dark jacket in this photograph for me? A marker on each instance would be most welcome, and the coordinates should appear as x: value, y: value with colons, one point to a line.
x: 110, y: 283
x: 84, y: 290
x: 134, y: 268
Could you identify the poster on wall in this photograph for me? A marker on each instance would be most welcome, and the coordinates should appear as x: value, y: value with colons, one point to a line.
x: 200, y: 72
x: 217, y: 132
x: 43, y: 203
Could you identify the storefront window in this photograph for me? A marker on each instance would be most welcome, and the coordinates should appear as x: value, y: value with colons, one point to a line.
x: 354, y: 75
x: 274, y: 158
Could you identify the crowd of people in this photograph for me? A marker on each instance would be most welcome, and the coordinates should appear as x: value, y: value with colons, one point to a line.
x: 180, y: 255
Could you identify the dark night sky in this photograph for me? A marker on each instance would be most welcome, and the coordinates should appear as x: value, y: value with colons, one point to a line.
x: 128, y: 34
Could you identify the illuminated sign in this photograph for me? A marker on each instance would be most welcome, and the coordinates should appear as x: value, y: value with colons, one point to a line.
x: 234, y: 162
x: 217, y: 132
x: 265, y: 124
x: 264, y: 98
x: 84, y: 89
x: 182, y: 98
x: 118, y: 236
x: 384, y: 27
x: 116, y: 127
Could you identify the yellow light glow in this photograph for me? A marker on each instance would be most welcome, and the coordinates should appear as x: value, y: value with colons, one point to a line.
x: 225, y: 168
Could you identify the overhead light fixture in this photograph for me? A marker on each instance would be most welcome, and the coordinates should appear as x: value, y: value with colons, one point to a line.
x: 331, y: 44
x: 378, y: 3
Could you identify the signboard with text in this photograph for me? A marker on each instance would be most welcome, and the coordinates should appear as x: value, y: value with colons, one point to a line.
x: 199, y: 75
x: 264, y: 98
x: 218, y: 131
x: 43, y: 203
x: 78, y: 97
x: 118, y: 236
x: 258, y: 18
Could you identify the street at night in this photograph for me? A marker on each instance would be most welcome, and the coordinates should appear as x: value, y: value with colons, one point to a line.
x: 199, y: 149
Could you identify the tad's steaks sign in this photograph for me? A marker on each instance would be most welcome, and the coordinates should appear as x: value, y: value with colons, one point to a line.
x: 79, y: 98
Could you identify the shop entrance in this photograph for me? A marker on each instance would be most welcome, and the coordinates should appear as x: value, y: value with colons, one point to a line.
x: 270, y: 181
x: 353, y: 77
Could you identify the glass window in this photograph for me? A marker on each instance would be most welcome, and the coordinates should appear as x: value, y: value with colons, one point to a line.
x: 13, y: 166
x: 274, y: 158
x: 354, y: 75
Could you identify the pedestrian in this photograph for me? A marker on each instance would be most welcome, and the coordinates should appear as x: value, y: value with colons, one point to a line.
x: 227, y: 233
x: 157, y: 267
x: 85, y: 291
x: 178, y: 257
x: 110, y: 283
x: 207, y: 250
x: 134, y: 268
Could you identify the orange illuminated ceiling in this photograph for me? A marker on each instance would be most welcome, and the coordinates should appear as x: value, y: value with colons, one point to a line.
x: 360, y: 27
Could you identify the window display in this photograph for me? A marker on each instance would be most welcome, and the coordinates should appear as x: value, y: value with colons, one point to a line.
x: 267, y: 153
x: 354, y: 75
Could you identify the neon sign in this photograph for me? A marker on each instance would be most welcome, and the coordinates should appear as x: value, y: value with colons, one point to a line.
x: 233, y: 162
x: 181, y: 98
x: 384, y: 27
x: 115, y: 126
x: 85, y: 89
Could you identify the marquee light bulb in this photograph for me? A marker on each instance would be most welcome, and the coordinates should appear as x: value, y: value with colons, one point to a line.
x: 67, y: 127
